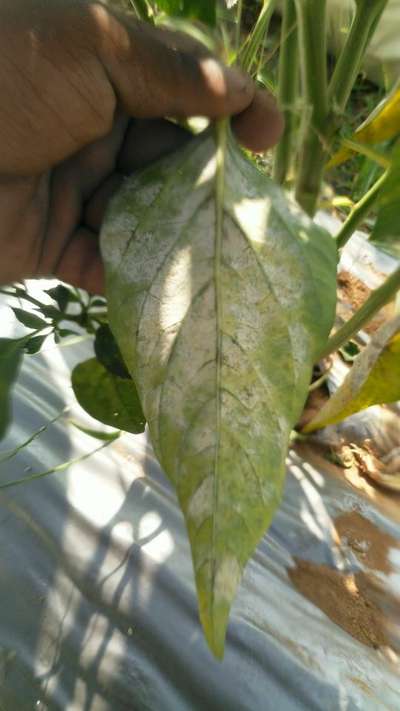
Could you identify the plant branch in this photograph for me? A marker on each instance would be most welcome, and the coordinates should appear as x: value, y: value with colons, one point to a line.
x: 366, y: 17
x: 311, y: 18
x: 359, y: 212
x: 287, y: 91
x: 378, y: 298
x: 248, y: 54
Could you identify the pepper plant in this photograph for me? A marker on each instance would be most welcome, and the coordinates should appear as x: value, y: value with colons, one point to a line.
x: 221, y: 287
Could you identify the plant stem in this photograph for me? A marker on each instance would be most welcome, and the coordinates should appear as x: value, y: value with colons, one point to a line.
x: 248, y: 53
x: 239, y: 11
x: 348, y: 65
x: 142, y: 10
x: 378, y: 298
x: 359, y: 212
x: 311, y: 17
x: 59, y: 467
x: 287, y: 92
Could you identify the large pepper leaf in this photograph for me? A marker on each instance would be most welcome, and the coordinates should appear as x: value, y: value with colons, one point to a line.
x: 221, y: 292
x: 386, y: 232
x: 374, y: 379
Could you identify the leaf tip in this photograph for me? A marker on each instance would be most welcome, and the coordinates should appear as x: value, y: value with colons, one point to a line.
x: 216, y: 586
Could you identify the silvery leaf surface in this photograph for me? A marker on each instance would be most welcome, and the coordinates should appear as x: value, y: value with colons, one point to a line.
x: 221, y: 291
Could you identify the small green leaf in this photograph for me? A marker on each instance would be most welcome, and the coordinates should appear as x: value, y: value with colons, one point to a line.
x: 51, y: 312
x: 108, y: 353
x: 374, y: 379
x: 108, y: 398
x: 30, y: 320
x: 65, y: 332
x: 97, y: 434
x: 349, y: 351
x: 62, y: 295
x: 34, y: 344
x: 11, y: 352
x: 386, y: 232
x: 98, y: 301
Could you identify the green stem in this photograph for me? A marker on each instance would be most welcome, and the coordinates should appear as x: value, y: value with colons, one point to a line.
x: 239, y: 11
x: 142, y: 10
x: 248, y: 54
x: 359, y: 212
x: 311, y: 18
x: 378, y: 298
x: 59, y: 467
x: 348, y: 65
x: 287, y: 91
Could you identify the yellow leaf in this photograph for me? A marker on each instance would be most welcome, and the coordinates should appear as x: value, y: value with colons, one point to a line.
x: 374, y: 379
x: 381, y: 125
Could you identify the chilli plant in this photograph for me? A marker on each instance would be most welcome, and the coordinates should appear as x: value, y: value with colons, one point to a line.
x: 221, y: 287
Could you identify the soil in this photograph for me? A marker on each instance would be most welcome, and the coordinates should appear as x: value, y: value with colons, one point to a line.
x: 315, y: 401
x: 388, y: 502
x: 345, y: 598
x: 370, y: 544
x: 353, y: 292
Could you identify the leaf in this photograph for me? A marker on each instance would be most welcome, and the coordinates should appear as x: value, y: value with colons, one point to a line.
x: 220, y: 293
x: 65, y: 332
x: 62, y: 295
x: 51, y: 312
x: 108, y: 353
x: 34, y: 344
x: 109, y: 399
x: 98, y: 301
x: 386, y: 232
x: 11, y: 352
x: 381, y: 125
x: 97, y: 434
x: 374, y: 379
x: 30, y: 320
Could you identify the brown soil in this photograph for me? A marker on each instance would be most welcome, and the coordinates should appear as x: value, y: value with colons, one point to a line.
x: 370, y: 544
x: 352, y: 291
x: 344, y: 598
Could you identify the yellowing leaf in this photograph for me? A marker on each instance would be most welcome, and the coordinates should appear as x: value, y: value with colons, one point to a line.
x: 374, y: 379
x: 221, y: 292
x: 381, y: 125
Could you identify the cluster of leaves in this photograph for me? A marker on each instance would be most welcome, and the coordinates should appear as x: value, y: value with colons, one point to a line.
x: 102, y: 384
x: 42, y: 320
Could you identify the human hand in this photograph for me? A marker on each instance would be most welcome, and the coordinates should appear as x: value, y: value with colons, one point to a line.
x: 84, y: 92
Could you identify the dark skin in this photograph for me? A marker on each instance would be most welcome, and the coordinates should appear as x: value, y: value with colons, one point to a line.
x: 84, y: 95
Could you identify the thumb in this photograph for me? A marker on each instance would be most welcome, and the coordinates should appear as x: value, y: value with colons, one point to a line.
x: 157, y: 73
